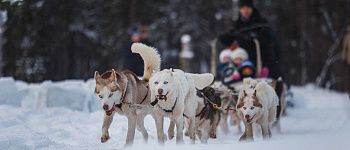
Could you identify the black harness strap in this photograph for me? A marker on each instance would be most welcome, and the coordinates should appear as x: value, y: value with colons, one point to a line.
x: 205, y: 106
x: 154, y: 102
x: 122, y: 99
x: 167, y: 110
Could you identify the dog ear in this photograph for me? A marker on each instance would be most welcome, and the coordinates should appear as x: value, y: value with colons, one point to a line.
x: 273, y: 84
x: 240, y: 104
x: 113, y: 76
x: 97, y: 75
x: 256, y: 102
x: 244, y: 93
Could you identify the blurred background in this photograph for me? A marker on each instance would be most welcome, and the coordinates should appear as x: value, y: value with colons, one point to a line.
x: 70, y: 39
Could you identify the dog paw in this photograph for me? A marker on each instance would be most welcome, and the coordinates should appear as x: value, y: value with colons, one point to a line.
x: 170, y: 136
x: 186, y: 133
x: 104, y: 138
x: 243, y: 138
x: 212, y: 135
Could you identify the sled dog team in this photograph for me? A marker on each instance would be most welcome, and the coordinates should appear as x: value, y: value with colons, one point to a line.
x: 189, y: 100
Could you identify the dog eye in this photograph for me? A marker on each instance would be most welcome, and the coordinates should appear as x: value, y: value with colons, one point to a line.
x: 165, y: 82
x: 244, y: 108
x: 110, y: 95
x: 100, y: 96
x: 156, y: 82
x: 251, y: 108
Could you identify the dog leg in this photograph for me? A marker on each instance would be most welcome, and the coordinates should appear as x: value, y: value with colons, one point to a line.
x: 199, y: 133
x: 159, y: 120
x: 141, y: 128
x: 105, y: 126
x: 248, y: 133
x: 270, y: 134
x: 171, y: 130
x: 205, y: 132
x: 179, y: 121
x: 277, y: 125
x: 131, y: 131
x: 191, y: 129
x: 214, y: 126
x: 224, y: 125
x: 265, y: 130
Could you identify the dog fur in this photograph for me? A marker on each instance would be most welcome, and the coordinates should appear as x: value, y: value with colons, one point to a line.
x: 280, y: 89
x: 229, y: 100
x: 257, y: 103
x: 174, y: 93
x: 117, y: 90
x: 207, y: 114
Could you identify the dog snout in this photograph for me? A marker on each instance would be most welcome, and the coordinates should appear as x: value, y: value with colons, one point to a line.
x: 247, y: 117
x: 160, y: 91
x: 105, y: 107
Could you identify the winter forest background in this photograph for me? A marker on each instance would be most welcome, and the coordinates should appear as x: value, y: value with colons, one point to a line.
x: 70, y: 39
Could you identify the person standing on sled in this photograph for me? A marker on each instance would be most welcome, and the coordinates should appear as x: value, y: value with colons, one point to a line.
x: 250, y: 26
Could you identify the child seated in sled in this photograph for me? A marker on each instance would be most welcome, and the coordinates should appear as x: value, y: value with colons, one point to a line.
x: 246, y: 67
x: 241, y: 67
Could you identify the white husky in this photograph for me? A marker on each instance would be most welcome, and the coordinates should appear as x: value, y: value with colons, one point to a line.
x: 257, y: 103
x: 174, y: 95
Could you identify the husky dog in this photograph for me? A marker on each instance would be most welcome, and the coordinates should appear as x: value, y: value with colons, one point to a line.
x: 280, y: 89
x: 207, y: 114
x: 174, y: 93
x: 229, y: 101
x: 116, y: 90
x: 257, y: 104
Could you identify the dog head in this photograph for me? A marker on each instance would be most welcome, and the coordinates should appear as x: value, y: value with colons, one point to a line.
x: 249, y: 106
x: 211, y: 94
x: 109, y: 89
x: 161, y: 84
x: 249, y: 83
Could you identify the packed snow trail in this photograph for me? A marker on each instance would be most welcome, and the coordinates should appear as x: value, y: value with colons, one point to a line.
x: 319, y: 120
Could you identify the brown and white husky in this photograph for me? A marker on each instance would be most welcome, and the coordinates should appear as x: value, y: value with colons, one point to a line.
x: 117, y: 90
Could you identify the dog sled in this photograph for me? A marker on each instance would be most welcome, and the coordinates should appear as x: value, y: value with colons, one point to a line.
x: 278, y: 84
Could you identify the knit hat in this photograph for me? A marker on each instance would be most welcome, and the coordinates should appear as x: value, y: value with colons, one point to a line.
x: 239, y: 53
x: 248, y: 3
x: 225, y: 53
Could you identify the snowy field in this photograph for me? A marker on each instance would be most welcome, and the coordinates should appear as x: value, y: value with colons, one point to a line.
x: 65, y: 115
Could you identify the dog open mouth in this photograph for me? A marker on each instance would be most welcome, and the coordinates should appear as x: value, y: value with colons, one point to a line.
x: 162, y: 97
x: 250, y: 119
x: 109, y: 112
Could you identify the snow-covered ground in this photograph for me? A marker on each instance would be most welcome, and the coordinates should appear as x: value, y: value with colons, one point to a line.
x: 65, y: 115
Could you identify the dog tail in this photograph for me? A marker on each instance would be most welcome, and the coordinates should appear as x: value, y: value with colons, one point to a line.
x: 150, y: 57
x: 202, y: 80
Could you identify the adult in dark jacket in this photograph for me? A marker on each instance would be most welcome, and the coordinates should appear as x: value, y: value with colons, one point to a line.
x: 133, y: 62
x: 249, y: 26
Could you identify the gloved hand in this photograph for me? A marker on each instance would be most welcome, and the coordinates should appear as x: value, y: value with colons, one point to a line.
x: 264, y: 72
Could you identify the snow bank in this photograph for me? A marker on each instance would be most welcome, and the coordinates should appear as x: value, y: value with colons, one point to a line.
x: 9, y: 93
x: 73, y: 94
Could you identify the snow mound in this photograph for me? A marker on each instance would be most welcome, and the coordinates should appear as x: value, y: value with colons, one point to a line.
x: 73, y: 94
x: 9, y: 93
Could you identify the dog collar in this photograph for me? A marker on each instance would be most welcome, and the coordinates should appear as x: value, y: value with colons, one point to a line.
x: 168, y: 110
x: 109, y: 112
